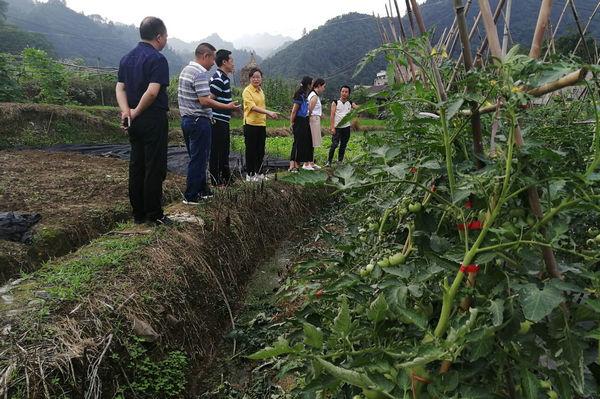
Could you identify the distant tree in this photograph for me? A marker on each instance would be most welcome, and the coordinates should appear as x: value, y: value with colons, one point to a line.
x: 3, y: 10
x: 566, y: 44
x: 46, y: 77
x: 304, y: 32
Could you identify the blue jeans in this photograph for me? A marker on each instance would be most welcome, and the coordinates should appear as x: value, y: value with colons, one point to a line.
x: 197, y: 134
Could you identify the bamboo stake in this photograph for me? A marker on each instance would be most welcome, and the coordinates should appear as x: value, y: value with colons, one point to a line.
x: 507, y: 16
x: 562, y: 14
x: 410, y: 17
x: 481, y: 50
x: 581, y: 33
x: 587, y: 26
x: 381, y: 37
x: 456, y: 35
x: 398, y: 71
x: 542, y: 23
x: 402, y: 31
x: 566, y: 81
x: 436, y: 71
x: 411, y: 64
x: 490, y: 28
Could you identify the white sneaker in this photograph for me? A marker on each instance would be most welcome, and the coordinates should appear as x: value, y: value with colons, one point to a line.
x: 186, y: 202
x: 316, y: 167
x: 262, y: 177
x: 250, y: 178
x: 306, y: 167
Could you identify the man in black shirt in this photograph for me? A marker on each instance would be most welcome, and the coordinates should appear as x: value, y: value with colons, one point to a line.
x: 220, y: 89
x: 142, y: 96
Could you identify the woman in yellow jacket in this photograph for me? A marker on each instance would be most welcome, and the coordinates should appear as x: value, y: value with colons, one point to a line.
x: 255, y: 125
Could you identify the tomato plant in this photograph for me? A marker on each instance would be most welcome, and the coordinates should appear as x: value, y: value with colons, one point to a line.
x: 456, y: 299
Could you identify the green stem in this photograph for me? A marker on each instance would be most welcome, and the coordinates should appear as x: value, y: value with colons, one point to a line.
x: 448, y: 149
x: 450, y: 292
x: 596, y: 144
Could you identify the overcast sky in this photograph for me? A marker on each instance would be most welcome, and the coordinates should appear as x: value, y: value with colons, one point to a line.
x: 192, y: 20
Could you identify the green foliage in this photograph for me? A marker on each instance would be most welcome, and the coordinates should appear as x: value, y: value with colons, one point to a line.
x: 14, y: 40
x: 279, y: 94
x: 44, y: 77
x: 384, y: 330
x: 151, y: 378
x: 9, y: 88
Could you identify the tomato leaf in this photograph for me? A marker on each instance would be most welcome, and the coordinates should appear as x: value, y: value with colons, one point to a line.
x: 343, y: 322
x: 313, y: 336
x: 529, y: 384
x: 537, y: 303
x: 281, y: 347
x: 378, y: 309
x: 497, y: 311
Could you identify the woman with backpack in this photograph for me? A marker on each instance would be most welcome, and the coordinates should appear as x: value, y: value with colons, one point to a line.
x: 302, y: 147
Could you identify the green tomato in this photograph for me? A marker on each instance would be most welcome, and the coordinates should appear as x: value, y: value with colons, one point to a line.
x: 385, y: 262
x: 397, y: 259
x: 517, y: 212
x: 546, y: 384
x: 369, y: 267
x: 415, y: 207
x: 357, y: 397
x: 371, y: 394
x: 597, y: 239
x: 525, y: 327
x: 552, y: 395
x: 364, y: 272
x: 590, y: 242
x: 593, y: 232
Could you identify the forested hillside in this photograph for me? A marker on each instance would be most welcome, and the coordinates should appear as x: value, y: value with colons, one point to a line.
x: 77, y: 36
x: 333, y: 50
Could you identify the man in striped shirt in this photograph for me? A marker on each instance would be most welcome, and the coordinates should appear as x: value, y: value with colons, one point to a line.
x: 195, y: 106
x: 220, y: 88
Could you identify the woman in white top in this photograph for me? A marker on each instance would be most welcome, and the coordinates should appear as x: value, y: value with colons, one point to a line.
x: 315, y: 112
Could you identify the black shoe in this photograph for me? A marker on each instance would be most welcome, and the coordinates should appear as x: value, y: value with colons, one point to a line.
x: 163, y: 221
x: 206, y: 195
x: 139, y: 220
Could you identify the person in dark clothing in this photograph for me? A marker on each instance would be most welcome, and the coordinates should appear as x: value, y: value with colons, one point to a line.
x: 141, y: 92
x: 302, y: 148
x: 220, y: 89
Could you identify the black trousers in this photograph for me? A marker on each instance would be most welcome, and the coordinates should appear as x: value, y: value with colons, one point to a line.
x: 219, y: 153
x: 148, y: 136
x: 341, y: 138
x: 255, y: 138
x: 302, y: 147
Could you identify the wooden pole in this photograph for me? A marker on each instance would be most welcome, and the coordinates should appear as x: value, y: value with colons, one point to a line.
x: 581, y: 33
x: 402, y: 31
x: 398, y: 70
x: 542, y: 23
x: 490, y: 28
x: 461, y: 22
x: 562, y: 14
x: 505, y: 39
x: 587, y: 26
x: 436, y: 72
x: 381, y: 37
x: 410, y: 17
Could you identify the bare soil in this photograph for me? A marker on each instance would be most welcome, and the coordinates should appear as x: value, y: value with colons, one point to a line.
x: 78, y: 196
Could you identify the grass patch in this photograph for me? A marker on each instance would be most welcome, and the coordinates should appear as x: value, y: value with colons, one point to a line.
x: 281, y: 147
x: 73, y: 278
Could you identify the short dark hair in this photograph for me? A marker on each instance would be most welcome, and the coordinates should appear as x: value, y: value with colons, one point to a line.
x: 151, y: 27
x: 222, y: 56
x: 346, y: 87
x: 204, y: 48
x: 253, y: 70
